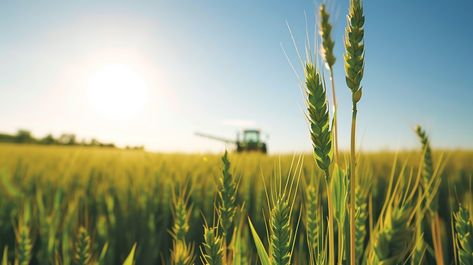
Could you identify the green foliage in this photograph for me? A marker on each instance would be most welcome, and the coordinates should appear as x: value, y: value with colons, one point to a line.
x: 5, y: 256
x: 262, y: 253
x: 130, y: 259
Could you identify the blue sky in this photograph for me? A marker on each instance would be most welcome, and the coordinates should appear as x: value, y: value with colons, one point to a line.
x: 212, y: 66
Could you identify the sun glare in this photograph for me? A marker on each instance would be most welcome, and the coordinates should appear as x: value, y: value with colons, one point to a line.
x: 117, y: 91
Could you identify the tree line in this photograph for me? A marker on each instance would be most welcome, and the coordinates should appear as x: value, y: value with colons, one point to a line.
x: 67, y: 139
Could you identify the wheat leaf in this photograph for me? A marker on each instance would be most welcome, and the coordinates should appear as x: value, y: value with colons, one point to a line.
x: 130, y: 260
x: 263, y: 255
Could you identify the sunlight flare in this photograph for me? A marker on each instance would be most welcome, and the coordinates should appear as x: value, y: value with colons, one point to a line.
x: 117, y: 91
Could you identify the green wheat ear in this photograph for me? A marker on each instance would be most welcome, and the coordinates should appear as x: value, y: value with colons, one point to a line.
x: 464, y: 236
x: 325, y: 30
x: 354, y: 46
x: 181, y: 216
x: 361, y: 217
x: 24, y: 245
x: 394, y: 241
x: 317, y: 108
x: 226, y: 197
x: 427, y: 167
x: 281, y: 232
x: 420, y: 247
x: 212, y: 250
x: 182, y: 253
x: 314, y: 224
x: 313, y: 219
x: 23, y: 237
x: 82, y: 253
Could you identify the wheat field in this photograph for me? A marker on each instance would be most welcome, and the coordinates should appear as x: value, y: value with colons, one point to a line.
x: 120, y: 198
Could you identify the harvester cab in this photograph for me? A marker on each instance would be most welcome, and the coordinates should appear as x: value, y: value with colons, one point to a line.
x: 250, y: 142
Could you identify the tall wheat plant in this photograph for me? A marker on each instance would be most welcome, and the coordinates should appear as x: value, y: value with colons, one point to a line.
x: 354, y: 66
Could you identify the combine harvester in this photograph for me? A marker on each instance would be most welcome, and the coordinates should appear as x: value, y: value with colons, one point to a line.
x: 251, y: 141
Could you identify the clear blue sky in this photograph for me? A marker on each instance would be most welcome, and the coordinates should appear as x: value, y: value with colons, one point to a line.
x: 210, y: 65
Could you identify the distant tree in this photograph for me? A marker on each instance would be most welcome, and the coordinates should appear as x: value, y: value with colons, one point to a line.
x: 48, y: 140
x: 24, y: 136
x: 7, y: 138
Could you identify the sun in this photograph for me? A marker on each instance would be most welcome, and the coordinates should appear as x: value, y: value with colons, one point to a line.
x: 117, y: 91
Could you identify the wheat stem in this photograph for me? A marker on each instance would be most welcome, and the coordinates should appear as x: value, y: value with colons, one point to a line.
x: 331, y: 236
x: 335, y: 122
x: 352, y: 189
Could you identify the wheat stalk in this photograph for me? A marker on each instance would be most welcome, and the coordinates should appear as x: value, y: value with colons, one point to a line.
x: 354, y: 65
x: 427, y: 166
x: 212, y: 250
x: 317, y: 108
x: 428, y: 178
x: 227, y: 197
x: 464, y: 236
x: 82, y: 253
x: 326, y: 49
